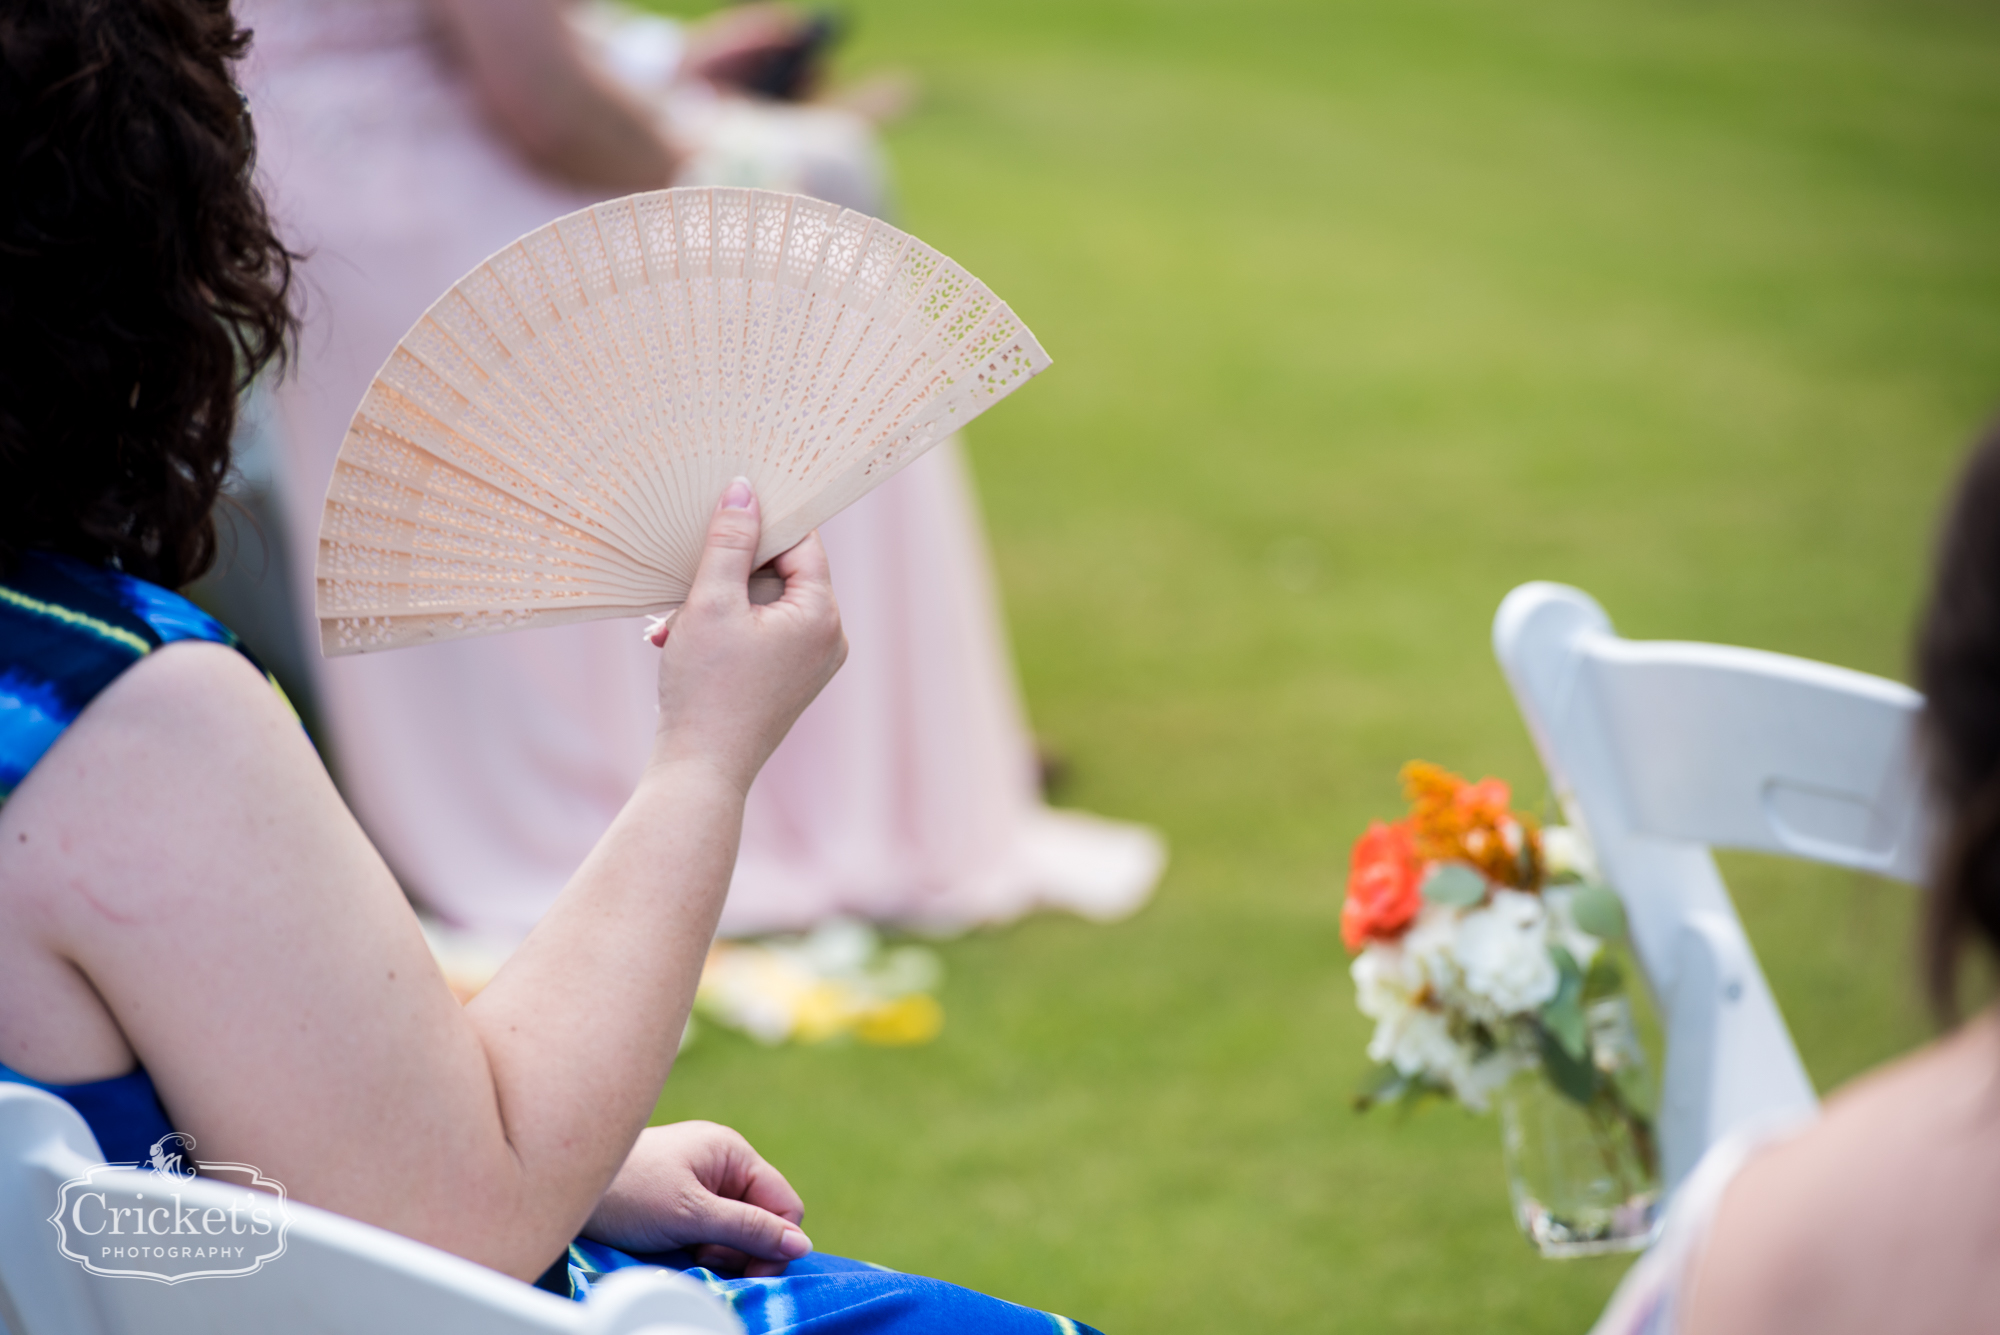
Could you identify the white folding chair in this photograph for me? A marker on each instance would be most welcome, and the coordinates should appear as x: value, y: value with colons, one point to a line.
x: 335, y: 1276
x: 1660, y: 750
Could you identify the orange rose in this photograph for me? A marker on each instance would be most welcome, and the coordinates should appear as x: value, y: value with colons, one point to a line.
x: 1483, y: 803
x: 1382, y: 880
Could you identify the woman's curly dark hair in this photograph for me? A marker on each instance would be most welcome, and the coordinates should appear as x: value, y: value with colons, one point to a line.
x: 1958, y: 667
x: 142, y: 286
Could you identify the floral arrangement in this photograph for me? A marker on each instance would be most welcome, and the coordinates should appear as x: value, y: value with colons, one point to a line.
x: 1481, y: 954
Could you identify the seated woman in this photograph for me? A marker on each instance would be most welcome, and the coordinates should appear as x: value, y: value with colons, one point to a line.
x: 194, y: 933
x: 1883, y: 1214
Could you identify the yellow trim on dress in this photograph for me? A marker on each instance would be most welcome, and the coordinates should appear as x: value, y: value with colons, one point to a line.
x: 116, y: 634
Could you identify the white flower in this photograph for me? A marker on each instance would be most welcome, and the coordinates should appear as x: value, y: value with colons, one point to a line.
x: 1502, y: 951
x: 1428, y: 945
x: 1565, y: 852
x: 1389, y: 985
x: 1564, y: 932
x: 1418, y: 1042
x: 1448, y: 985
x: 1387, y: 981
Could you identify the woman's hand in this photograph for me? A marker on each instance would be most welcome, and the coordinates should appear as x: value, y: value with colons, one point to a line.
x: 736, y: 674
x: 699, y: 1185
x: 729, y: 47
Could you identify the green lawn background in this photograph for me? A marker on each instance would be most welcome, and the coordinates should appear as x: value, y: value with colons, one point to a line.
x: 1363, y: 312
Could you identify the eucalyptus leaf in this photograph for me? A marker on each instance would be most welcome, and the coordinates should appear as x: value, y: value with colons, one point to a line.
x: 1454, y: 885
x: 1562, y: 1014
x: 1574, y: 1079
x: 1635, y: 1089
x: 1605, y: 979
x: 1597, y: 910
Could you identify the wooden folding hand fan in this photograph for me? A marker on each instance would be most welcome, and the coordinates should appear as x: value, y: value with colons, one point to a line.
x: 547, y: 444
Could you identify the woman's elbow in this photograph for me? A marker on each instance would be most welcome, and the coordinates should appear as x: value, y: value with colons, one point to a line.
x: 495, y: 1223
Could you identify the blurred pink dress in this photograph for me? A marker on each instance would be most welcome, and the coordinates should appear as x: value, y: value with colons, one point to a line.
x: 485, y: 769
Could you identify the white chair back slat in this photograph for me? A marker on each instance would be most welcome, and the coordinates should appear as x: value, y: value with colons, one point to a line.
x: 336, y: 1276
x: 1737, y: 748
x: 43, y: 1143
x: 1659, y: 751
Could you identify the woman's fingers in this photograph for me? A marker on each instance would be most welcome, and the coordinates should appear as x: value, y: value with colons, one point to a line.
x: 729, y: 1261
x: 701, y: 1186
x: 723, y: 1260
x: 803, y: 563
x: 735, y: 1175
x: 729, y: 1166
x: 733, y: 677
x: 793, y: 571
x: 754, y: 1232
x: 767, y: 1189
x: 809, y: 590
x: 723, y: 578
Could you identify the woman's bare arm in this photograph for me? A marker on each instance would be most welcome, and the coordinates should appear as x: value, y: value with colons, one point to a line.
x: 182, y: 848
x: 558, y: 111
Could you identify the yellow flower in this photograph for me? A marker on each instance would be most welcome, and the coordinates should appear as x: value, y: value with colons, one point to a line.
x: 1456, y: 821
x: 913, y: 1019
x: 822, y: 1011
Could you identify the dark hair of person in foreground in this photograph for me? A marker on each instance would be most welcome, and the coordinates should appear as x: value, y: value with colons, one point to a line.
x: 1958, y: 669
x: 142, y: 287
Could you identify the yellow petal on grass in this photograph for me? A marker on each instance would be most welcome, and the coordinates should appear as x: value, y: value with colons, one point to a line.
x: 821, y: 1012
x: 904, y: 1022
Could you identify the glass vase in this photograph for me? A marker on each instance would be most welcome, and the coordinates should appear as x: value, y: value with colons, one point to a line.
x: 1584, y: 1177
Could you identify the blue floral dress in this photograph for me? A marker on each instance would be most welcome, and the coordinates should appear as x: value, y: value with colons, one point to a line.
x: 67, y: 630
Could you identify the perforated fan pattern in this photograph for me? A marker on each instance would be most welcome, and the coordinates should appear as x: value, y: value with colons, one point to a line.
x: 547, y: 443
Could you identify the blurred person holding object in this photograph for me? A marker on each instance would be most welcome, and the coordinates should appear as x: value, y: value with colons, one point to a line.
x: 403, y: 142
x: 195, y: 935
x: 1882, y: 1213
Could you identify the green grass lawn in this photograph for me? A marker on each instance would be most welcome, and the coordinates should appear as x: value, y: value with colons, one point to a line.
x: 1363, y: 312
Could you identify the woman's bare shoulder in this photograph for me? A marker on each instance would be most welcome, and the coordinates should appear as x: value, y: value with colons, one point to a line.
x: 183, y: 738
x: 194, y: 710
x: 1874, y: 1218
x: 191, y: 860
x: 91, y: 841
x: 188, y: 685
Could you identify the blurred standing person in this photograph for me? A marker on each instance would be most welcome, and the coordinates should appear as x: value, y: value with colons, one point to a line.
x: 406, y: 140
x: 910, y: 792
